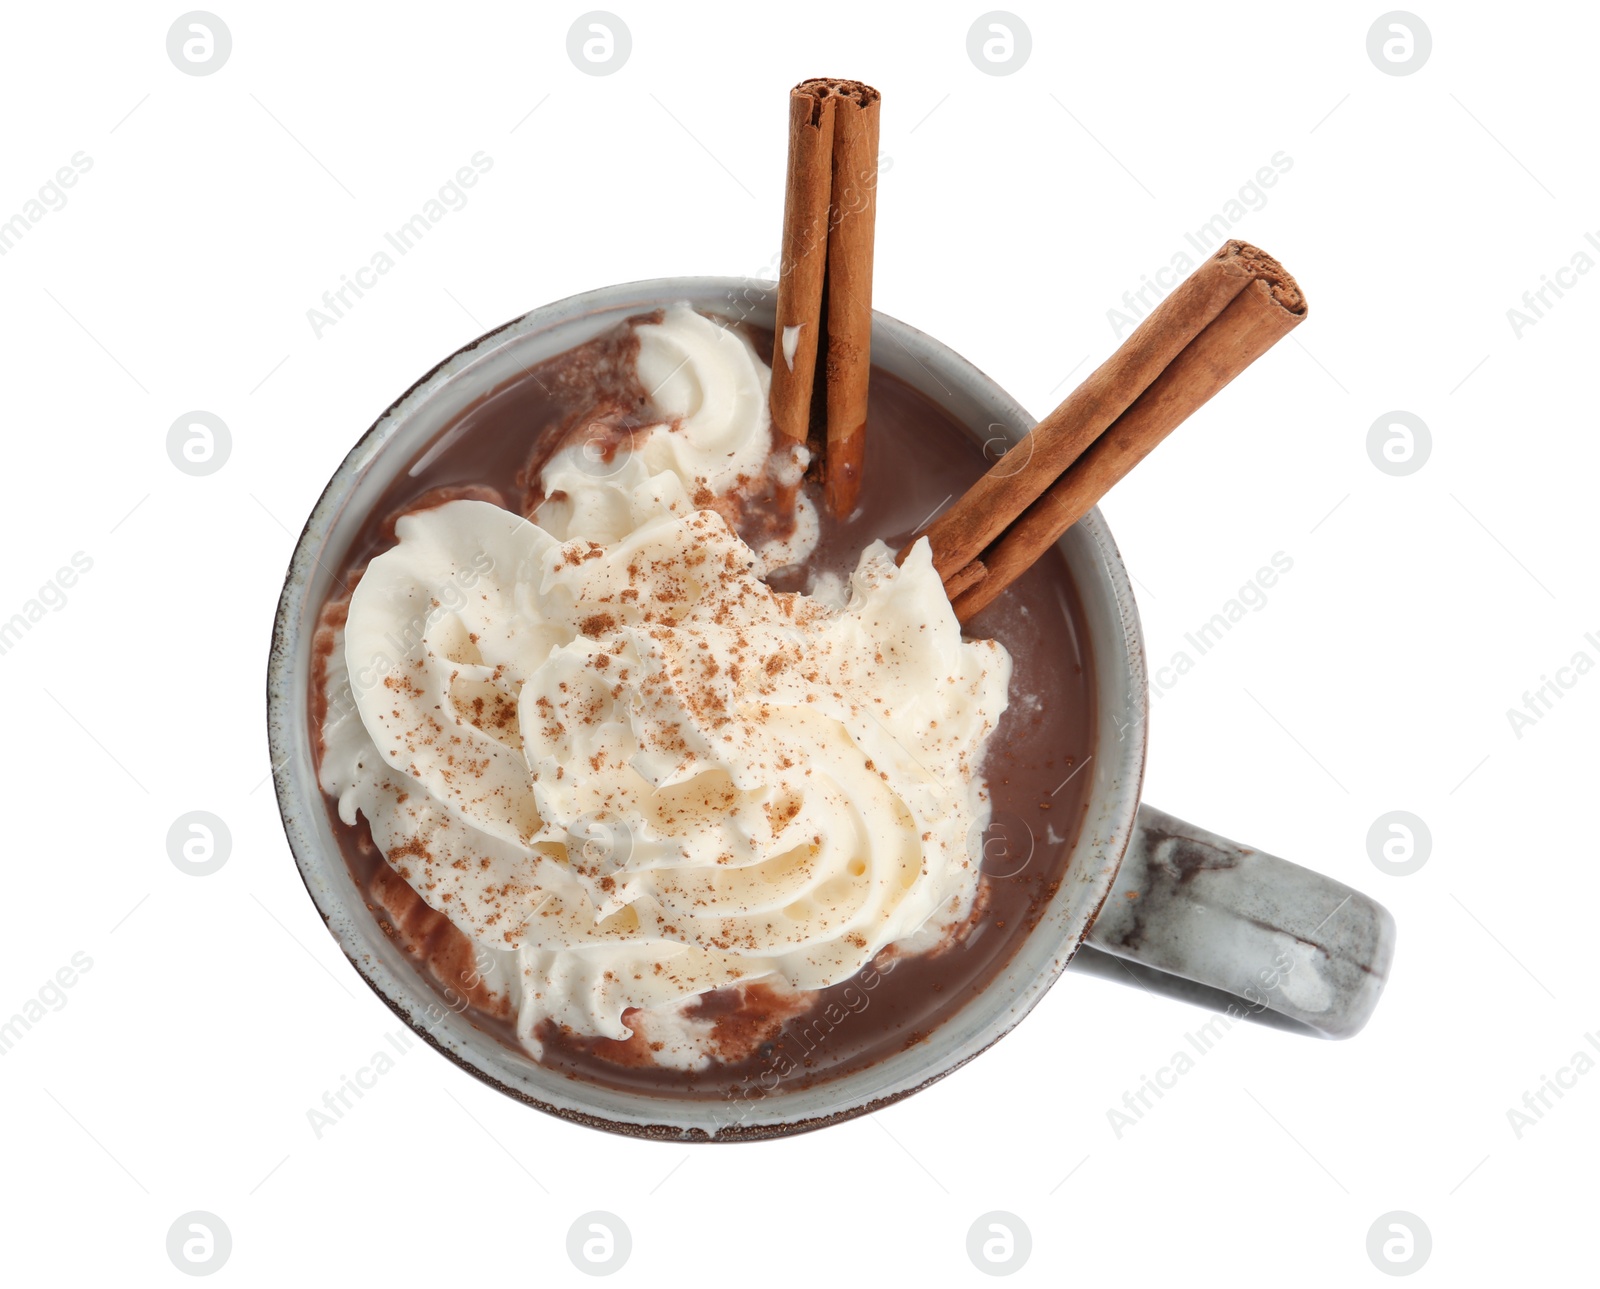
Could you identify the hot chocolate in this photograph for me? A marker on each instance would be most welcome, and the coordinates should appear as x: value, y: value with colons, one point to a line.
x: 650, y: 769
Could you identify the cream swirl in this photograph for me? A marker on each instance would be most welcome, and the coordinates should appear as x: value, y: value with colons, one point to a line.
x: 636, y: 773
x: 707, y: 384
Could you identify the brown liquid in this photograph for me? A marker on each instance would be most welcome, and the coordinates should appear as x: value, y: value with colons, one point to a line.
x: 917, y: 458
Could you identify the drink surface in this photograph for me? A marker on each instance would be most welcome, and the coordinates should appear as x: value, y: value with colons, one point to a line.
x: 918, y: 458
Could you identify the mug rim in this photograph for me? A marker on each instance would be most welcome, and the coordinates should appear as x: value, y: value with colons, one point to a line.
x: 1105, y: 830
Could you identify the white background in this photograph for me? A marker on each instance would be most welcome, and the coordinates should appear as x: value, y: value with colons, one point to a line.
x: 1018, y: 209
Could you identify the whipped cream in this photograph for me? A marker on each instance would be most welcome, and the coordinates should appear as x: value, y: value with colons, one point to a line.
x: 628, y: 769
x: 714, y: 444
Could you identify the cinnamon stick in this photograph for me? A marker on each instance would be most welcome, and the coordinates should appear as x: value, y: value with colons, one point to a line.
x: 852, y: 216
x: 964, y: 578
x: 1197, y: 305
x: 802, y: 257
x: 1251, y: 323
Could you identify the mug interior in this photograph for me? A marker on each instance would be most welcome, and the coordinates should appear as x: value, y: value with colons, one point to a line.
x: 1109, y: 626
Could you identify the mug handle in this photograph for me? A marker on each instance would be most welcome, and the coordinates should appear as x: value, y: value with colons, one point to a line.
x: 1273, y: 934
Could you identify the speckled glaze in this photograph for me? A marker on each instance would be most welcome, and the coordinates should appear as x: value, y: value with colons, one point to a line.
x: 1274, y: 935
x: 1273, y: 907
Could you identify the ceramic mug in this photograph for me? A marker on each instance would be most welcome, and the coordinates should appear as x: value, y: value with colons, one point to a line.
x: 1139, y: 884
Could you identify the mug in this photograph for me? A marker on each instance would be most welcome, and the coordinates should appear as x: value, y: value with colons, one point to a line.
x: 1139, y: 884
